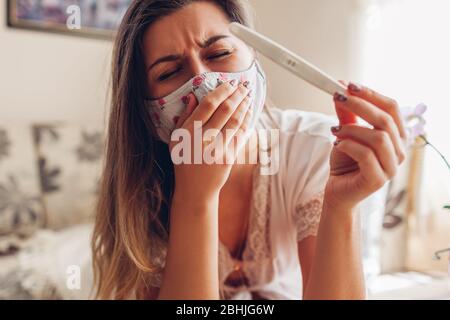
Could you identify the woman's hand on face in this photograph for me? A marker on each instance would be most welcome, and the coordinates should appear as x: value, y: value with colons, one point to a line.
x: 364, y: 159
x: 226, y: 112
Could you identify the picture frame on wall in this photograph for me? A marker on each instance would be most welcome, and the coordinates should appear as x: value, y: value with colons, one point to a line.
x: 86, y: 18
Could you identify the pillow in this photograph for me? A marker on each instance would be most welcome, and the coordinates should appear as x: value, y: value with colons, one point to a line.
x: 69, y: 162
x: 21, y: 206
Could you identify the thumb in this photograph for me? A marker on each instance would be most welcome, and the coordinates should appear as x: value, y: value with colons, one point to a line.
x: 345, y: 117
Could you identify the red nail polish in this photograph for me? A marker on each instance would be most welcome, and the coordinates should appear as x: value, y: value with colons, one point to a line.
x: 336, y: 129
x: 354, y: 87
x: 340, y: 97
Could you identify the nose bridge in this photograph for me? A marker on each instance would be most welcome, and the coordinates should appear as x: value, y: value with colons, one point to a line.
x: 197, y: 65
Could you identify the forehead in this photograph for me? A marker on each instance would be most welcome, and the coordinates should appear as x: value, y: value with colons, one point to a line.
x: 185, y: 27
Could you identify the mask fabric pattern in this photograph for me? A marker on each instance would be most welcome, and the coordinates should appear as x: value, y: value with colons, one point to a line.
x: 166, y: 111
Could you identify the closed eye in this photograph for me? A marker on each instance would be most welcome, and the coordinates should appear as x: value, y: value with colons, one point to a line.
x: 213, y: 57
x: 222, y: 54
x: 168, y: 75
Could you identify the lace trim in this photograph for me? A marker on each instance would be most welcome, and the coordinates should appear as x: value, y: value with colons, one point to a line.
x: 307, y: 216
x: 258, y: 244
x: 257, y: 255
x: 259, y: 247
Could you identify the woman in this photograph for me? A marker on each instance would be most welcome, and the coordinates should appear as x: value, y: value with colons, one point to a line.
x: 224, y: 230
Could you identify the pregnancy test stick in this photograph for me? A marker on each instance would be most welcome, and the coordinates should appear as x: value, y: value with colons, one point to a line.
x: 287, y: 59
x: 295, y: 64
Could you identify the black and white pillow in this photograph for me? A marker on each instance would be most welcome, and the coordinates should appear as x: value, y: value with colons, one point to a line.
x: 69, y: 161
x: 21, y: 207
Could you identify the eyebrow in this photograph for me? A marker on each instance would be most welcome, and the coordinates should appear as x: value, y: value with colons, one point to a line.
x: 174, y: 57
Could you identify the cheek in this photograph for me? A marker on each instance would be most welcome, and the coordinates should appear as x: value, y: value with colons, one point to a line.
x: 244, y: 59
x: 151, y: 90
x: 246, y: 53
x: 239, y: 61
x: 157, y: 89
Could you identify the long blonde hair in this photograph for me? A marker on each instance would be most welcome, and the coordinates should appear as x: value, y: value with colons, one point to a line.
x: 137, y: 180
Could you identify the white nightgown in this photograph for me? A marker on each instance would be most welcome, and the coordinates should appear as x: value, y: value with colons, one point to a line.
x: 285, y: 208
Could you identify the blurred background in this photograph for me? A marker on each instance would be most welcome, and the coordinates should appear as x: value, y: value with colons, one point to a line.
x: 54, y: 101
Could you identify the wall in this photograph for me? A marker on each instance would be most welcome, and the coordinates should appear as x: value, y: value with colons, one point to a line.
x: 321, y: 31
x: 49, y: 76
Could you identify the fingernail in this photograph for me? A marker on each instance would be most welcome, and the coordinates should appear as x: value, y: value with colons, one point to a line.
x: 246, y: 84
x: 250, y: 93
x: 337, y: 142
x: 336, y: 129
x: 354, y: 87
x: 340, y: 97
x: 233, y: 82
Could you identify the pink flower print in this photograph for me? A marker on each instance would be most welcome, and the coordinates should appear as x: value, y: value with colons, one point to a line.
x: 197, y: 81
x: 162, y: 103
x: 223, y: 77
x: 185, y: 100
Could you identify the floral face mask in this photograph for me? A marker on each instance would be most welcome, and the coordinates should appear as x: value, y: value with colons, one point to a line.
x: 166, y: 111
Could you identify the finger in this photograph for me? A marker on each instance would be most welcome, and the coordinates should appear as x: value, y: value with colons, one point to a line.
x: 236, y: 120
x: 345, y: 116
x: 378, y: 118
x: 245, y: 124
x: 385, y: 103
x: 211, y: 102
x: 233, y: 141
x: 227, y: 108
x: 190, y: 106
x: 378, y: 141
x: 369, y: 168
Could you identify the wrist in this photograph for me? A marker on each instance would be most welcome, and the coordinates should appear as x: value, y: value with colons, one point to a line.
x: 339, y: 216
x: 338, y: 210
x: 338, y: 203
x: 195, y: 201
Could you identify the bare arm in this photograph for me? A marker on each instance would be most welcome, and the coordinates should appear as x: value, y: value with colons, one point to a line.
x: 362, y: 161
x: 331, y: 262
x: 191, y: 270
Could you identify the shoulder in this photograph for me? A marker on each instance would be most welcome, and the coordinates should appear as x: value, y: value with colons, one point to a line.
x: 301, y: 133
x: 293, y: 121
x: 304, y: 147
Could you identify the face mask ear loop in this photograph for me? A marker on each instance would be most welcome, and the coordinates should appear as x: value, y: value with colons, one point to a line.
x: 268, y: 104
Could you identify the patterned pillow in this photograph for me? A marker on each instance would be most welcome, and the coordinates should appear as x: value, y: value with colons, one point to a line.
x: 21, y: 206
x: 69, y: 162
